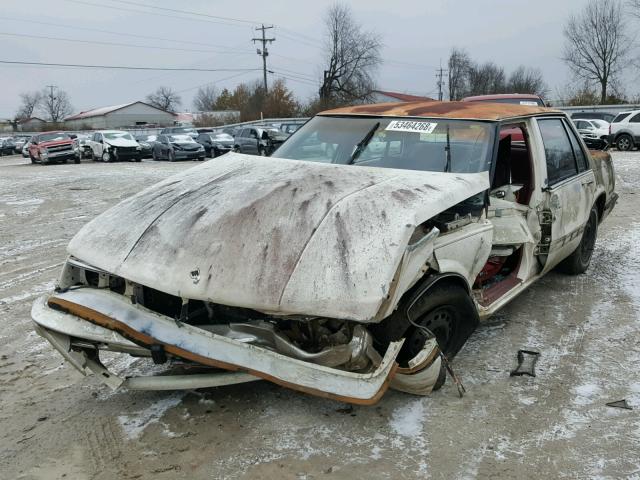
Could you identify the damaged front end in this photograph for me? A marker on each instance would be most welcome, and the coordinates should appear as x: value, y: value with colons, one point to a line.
x: 93, y: 311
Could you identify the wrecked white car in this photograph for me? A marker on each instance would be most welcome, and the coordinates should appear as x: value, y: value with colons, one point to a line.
x: 360, y: 256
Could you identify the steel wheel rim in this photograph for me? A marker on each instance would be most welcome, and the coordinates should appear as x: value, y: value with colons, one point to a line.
x: 441, y: 322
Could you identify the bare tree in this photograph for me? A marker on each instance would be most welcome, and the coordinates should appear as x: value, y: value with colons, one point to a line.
x: 596, y: 43
x: 55, y: 104
x: 205, y: 98
x: 352, y: 57
x: 486, y: 79
x: 527, y: 80
x: 459, y: 66
x: 634, y: 7
x: 165, y: 98
x: 29, y: 102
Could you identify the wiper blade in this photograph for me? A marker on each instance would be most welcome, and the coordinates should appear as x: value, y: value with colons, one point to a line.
x: 362, y: 144
x: 447, y: 149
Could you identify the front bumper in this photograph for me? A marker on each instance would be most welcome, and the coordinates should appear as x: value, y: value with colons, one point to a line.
x: 103, y: 320
x: 188, y: 154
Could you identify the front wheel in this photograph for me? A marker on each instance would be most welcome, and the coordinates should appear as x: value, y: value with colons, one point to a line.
x: 624, y: 143
x: 172, y: 156
x: 106, y: 157
x: 578, y: 262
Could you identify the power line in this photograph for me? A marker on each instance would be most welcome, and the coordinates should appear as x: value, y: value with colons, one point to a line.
x: 240, y: 20
x: 120, y: 34
x: 97, y: 42
x: 122, y: 67
x: 212, y: 83
x: 264, y: 53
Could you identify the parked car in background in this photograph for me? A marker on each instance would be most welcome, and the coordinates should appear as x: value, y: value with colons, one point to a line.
x: 259, y: 140
x: 53, y: 147
x: 513, y: 98
x: 82, y: 139
x: 177, y: 147
x: 19, y: 141
x: 233, y: 131
x: 215, y: 144
x: 114, y: 146
x: 179, y: 130
x: 289, y: 128
x: 594, y: 132
x: 25, y: 147
x: 146, y: 142
x: 7, y: 146
x: 624, y: 132
x: 607, y: 117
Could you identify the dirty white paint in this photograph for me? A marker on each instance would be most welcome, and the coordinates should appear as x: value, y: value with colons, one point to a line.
x: 256, y: 230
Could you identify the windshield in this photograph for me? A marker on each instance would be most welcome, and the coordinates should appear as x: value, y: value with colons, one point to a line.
x: 117, y: 135
x: 181, y: 139
x: 435, y: 145
x: 600, y: 123
x: 146, y: 138
x: 52, y: 137
x: 222, y: 137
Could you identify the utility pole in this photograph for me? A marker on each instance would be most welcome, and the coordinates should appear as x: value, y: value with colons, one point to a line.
x: 51, y: 96
x: 264, y: 53
x: 440, y: 75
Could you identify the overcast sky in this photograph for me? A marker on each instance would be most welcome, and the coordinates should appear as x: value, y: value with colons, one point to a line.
x: 417, y: 34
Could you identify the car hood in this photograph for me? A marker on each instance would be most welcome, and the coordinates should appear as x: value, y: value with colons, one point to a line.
x: 275, y: 235
x: 121, y: 142
x: 54, y: 143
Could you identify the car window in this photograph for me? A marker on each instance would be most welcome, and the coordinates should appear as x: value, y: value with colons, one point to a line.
x: 561, y: 162
x: 581, y: 158
x: 620, y: 117
x: 253, y: 133
x: 635, y: 118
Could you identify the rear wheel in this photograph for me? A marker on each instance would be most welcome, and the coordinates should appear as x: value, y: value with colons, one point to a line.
x: 578, y: 262
x: 624, y: 143
x: 33, y: 160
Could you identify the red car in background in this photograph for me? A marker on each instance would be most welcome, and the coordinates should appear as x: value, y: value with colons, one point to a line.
x: 52, y: 147
x: 513, y: 98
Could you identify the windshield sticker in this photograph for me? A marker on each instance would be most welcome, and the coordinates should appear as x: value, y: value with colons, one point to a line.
x: 528, y: 103
x: 409, y: 126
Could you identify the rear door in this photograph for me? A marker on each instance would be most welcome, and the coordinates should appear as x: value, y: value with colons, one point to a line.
x: 569, y: 192
x: 634, y: 126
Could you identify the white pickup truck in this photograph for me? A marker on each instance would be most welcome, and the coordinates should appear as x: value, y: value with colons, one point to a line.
x: 361, y: 255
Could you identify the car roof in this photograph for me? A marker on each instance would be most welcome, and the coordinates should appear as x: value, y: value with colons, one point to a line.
x: 453, y: 110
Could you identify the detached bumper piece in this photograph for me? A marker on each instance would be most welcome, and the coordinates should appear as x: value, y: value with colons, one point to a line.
x: 109, y: 319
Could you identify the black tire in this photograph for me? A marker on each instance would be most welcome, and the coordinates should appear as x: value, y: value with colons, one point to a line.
x: 262, y: 152
x: 448, y: 311
x: 33, y: 160
x: 624, y: 143
x: 106, y: 157
x: 138, y: 159
x: 172, y: 156
x: 578, y: 262
x: 154, y: 156
x: 201, y: 159
x: 76, y: 160
x: 237, y: 149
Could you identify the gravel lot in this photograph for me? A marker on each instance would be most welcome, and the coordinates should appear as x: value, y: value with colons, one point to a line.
x: 56, y: 424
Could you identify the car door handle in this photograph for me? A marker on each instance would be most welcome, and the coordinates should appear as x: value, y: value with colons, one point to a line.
x: 588, y: 182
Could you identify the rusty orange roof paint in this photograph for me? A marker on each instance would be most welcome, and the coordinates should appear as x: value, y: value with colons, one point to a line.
x: 456, y: 110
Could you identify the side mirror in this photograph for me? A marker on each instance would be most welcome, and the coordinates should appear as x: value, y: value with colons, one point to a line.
x: 100, y: 141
